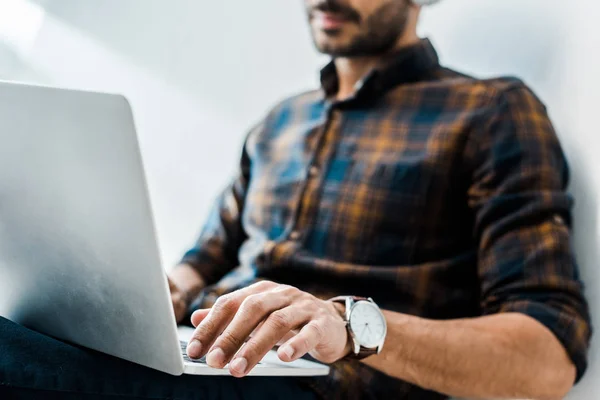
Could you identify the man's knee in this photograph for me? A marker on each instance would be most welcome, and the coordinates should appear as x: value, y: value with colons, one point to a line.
x: 17, y: 393
x: 32, y: 360
x: 7, y: 326
x: 11, y: 337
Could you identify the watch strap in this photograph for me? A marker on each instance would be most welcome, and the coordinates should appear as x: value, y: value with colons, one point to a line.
x: 362, y: 354
x: 342, y: 299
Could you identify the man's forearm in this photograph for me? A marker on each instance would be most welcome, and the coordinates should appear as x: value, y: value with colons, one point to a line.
x: 501, y: 356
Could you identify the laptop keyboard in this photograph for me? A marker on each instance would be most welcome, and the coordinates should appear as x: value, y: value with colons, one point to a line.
x: 183, y: 346
x: 185, y: 356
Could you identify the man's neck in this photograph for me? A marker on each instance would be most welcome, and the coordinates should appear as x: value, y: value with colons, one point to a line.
x: 350, y: 70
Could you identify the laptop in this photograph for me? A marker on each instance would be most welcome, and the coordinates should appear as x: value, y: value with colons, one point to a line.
x: 79, y: 259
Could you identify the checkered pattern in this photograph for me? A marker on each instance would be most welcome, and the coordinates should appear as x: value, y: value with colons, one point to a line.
x: 437, y: 194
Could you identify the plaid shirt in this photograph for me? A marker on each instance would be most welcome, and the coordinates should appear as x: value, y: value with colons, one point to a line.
x: 437, y: 194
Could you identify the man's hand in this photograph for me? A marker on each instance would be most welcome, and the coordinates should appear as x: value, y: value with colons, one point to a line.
x: 185, y: 284
x: 179, y: 299
x: 244, y: 325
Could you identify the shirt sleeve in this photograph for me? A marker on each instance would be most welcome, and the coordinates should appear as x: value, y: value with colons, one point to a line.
x: 523, y: 219
x: 215, y: 253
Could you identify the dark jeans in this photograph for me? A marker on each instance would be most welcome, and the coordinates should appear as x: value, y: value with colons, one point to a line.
x: 35, y: 366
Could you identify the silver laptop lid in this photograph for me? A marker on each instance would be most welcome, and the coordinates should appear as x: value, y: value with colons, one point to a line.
x: 78, y: 255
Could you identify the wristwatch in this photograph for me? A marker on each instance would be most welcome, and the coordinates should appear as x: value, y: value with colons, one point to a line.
x: 365, y: 324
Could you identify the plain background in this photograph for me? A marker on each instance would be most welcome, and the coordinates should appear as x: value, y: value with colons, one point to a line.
x: 199, y: 73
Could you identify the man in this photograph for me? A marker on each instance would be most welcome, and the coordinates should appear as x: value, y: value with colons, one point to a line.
x: 440, y: 196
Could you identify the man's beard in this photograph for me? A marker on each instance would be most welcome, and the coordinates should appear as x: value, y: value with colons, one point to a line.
x: 379, y: 32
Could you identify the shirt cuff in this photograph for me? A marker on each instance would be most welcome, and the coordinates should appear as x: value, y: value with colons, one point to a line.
x: 203, y: 264
x: 572, y: 330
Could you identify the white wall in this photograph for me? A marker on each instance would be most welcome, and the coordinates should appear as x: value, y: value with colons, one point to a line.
x: 200, y: 73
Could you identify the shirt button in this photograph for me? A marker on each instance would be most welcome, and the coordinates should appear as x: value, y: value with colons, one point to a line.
x: 269, y: 246
x: 558, y: 220
x: 295, y: 235
x: 313, y: 171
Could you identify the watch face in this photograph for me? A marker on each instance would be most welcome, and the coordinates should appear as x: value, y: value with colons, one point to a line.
x: 367, y: 324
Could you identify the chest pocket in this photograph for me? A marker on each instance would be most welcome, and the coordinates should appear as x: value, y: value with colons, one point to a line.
x: 380, y: 209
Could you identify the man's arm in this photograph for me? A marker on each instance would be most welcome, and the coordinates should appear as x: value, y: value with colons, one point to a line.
x: 187, y: 279
x: 185, y: 284
x: 533, y: 340
x: 508, y: 356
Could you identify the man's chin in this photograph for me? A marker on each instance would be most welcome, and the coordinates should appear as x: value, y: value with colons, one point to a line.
x: 332, y: 47
x: 336, y: 51
x: 335, y: 42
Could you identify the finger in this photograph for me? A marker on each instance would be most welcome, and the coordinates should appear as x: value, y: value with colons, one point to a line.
x: 301, y: 344
x: 279, y: 324
x: 257, y: 328
x: 219, y: 317
x: 287, y: 337
x: 284, y: 339
x: 255, y: 309
x: 199, y: 315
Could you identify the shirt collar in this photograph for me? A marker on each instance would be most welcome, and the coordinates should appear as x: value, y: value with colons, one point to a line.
x: 410, y: 64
